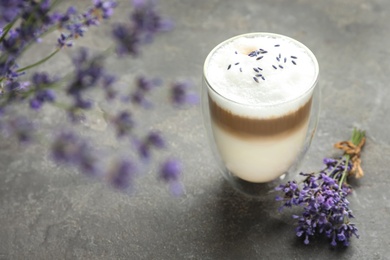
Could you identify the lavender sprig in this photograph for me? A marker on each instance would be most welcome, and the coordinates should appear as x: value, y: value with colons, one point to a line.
x: 24, y: 23
x: 323, y: 195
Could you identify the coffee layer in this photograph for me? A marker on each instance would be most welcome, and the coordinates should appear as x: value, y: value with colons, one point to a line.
x: 245, y: 126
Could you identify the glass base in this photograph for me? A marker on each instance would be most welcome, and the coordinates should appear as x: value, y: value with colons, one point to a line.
x: 255, y: 190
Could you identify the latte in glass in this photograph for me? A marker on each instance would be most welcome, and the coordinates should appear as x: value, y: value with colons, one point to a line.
x: 260, y: 89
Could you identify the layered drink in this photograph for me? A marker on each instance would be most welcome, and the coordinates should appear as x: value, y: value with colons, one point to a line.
x: 260, y: 89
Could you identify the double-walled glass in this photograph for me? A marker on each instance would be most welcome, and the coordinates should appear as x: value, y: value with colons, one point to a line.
x: 255, y: 154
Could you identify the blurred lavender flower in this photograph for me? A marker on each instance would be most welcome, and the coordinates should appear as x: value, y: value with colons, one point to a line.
x: 108, y: 86
x: 153, y: 140
x: 63, y: 41
x: 128, y: 40
x: 146, y: 19
x: 9, y: 10
x: 323, y: 197
x: 13, y: 91
x: 41, y: 96
x: 105, y: 9
x: 170, y: 172
x: 20, y: 127
x: 35, y: 19
x: 40, y: 85
x: 77, y: 24
x: 122, y: 174
x: 88, y: 72
x: 11, y: 45
x: 123, y: 123
x: 146, y: 22
x: 180, y: 94
x: 70, y: 149
x: 62, y: 18
x: 143, y: 87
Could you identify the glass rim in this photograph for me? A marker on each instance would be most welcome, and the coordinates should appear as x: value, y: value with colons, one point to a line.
x: 275, y: 35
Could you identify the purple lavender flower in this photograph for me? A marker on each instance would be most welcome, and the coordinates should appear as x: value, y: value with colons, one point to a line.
x: 144, y: 24
x: 122, y: 174
x: 21, y: 128
x: 87, y: 74
x: 106, y: 8
x: 290, y: 191
x: 69, y: 149
x: 11, y: 89
x: 324, y: 202
x: 88, y: 70
x: 35, y: 20
x: 77, y: 24
x: 63, y: 41
x: 12, y: 45
x: 143, y: 87
x: 76, y: 30
x: 150, y: 141
x: 108, y: 82
x: 40, y: 85
x: 123, y: 123
x: 170, y: 172
x: 62, y: 18
x: 181, y: 95
x: 9, y: 10
x: 14, y: 91
x: 42, y: 96
x: 147, y: 19
x: 146, y: 85
x: 128, y: 40
x: 156, y: 140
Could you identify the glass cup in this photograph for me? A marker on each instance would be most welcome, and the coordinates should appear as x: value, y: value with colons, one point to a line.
x: 259, y: 144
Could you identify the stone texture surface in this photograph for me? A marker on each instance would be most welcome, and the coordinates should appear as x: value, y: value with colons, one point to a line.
x: 53, y: 212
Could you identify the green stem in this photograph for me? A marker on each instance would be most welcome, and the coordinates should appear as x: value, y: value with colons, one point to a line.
x: 39, y: 62
x: 357, y: 136
x: 345, y: 172
x: 7, y: 28
x: 330, y: 174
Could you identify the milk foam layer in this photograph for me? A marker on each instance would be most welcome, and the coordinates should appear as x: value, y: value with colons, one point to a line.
x: 265, y: 75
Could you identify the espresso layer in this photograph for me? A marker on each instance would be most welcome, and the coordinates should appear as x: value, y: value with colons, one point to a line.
x: 240, y: 125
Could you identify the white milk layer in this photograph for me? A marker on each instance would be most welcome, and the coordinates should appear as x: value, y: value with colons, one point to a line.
x: 259, y: 160
x: 261, y: 75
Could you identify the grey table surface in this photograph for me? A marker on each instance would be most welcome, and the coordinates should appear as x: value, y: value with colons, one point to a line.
x: 53, y: 212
